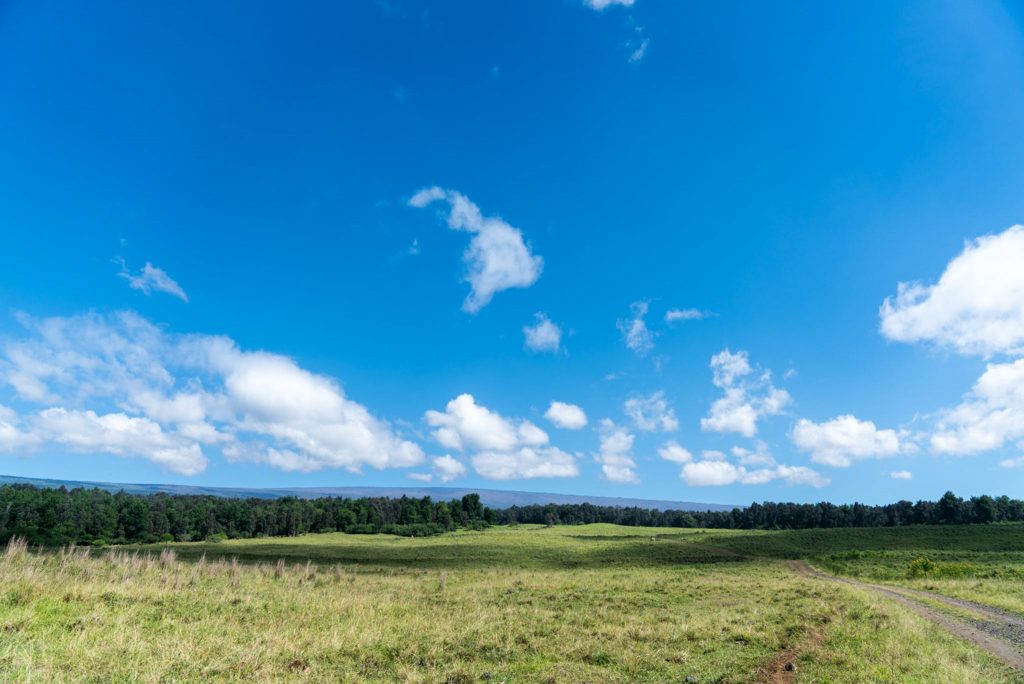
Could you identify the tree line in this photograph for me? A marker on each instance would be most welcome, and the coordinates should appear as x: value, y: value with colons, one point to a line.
x: 59, y: 516
x: 53, y: 517
x: 950, y: 509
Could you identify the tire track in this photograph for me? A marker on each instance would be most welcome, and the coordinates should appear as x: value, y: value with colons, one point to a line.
x: 999, y: 633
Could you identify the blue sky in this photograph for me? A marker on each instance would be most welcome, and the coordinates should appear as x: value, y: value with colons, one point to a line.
x: 250, y: 244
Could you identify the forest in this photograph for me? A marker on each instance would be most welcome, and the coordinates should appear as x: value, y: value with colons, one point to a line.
x: 950, y: 509
x: 53, y: 517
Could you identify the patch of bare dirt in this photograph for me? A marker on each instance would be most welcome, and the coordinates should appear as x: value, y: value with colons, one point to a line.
x: 783, y: 668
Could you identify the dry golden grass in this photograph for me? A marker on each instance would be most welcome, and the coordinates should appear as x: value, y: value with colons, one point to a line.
x: 599, y: 604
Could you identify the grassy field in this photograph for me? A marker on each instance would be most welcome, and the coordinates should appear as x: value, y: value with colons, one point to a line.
x: 595, y: 603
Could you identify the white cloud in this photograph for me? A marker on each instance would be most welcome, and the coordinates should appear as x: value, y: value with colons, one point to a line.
x: 1017, y: 462
x: 567, y: 416
x: 711, y: 473
x: 842, y: 440
x: 12, y: 437
x: 745, y: 399
x: 426, y: 196
x: 728, y: 367
x: 120, y: 385
x: 616, y: 454
x: 901, y: 475
x: 603, y: 4
x: 635, y: 331
x: 651, y: 413
x: 976, y: 307
x: 497, y: 257
x: 671, y: 451
x: 674, y: 315
x: 990, y: 415
x: 543, y: 335
x: 799, y: 475
x: 640, y: 51
x: 464, y: 424
x: 151, y: 278
x: 713, y: 455
x: 421, y: 477
x: 448, y: 468
x: 525, y: 463
x: 119, y: 434
x: 506, y: 449
x: 721, y: 473
x: 759, y: 456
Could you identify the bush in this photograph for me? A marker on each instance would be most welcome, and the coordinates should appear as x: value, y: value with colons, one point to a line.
x: 921, y: 567
x: 217, y: 538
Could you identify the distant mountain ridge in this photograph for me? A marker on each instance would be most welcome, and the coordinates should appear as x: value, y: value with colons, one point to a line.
x: 495, y: 498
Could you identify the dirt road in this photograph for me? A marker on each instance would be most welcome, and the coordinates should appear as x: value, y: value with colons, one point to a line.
x: 998, y: 632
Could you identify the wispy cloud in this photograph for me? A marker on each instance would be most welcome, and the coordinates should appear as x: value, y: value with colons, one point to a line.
x: 651, y: 413
x: 497, y: 258
x: 635, y: 332
x: 150, y: 279
x: 543, y: 335
x: 601, y: 5
x: 675, y: 315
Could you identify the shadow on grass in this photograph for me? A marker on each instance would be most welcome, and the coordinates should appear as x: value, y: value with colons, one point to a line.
x: 602, y: 551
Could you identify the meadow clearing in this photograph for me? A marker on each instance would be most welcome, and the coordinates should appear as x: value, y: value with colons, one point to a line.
x: 598, y: 603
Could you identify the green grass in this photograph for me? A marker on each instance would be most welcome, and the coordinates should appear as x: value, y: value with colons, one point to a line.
x: 596, y: 603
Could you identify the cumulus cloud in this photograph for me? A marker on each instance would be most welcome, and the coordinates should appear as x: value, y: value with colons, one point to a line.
x: 989, y: 416
x: 841, y: 441
x: 901, y: 475
x: 714, y: 469
x: 616, y: 454
x: 525, y: 463
x: 506, y: 449
x: 634, y: 330
x: 720, y: 473
x: 118, y: 384
x: 150, y: 279
x: 671, y: 451
x: 464, y: 424
x: 445, y: 468
x: 759, y: 456
x: 567, y: 416
x: 651, y: 413
x: 747, y: 396
x: 448, y: 469
x: 497, y: 257
x: 543, y: 335
x: 977, y: 305
x: 119, y: 434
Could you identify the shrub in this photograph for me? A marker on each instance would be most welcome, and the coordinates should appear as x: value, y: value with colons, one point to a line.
x: 921, y: 567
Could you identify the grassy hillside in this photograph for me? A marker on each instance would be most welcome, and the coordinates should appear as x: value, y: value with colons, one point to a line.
x: 590, y: 603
